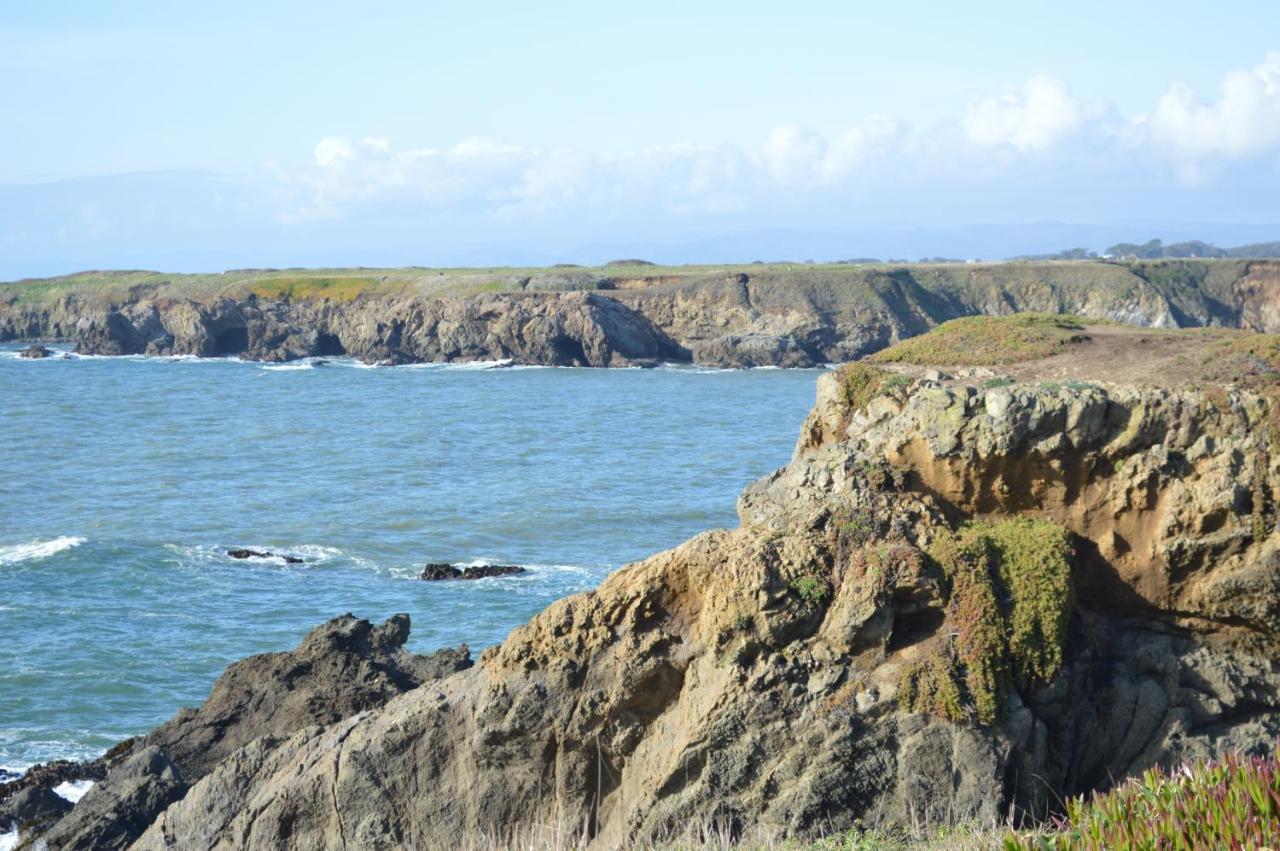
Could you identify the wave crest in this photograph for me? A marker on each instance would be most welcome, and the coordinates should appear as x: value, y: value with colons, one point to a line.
x: 34, y: 550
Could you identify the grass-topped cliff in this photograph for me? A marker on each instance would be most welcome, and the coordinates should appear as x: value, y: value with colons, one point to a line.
x: 619, y: 314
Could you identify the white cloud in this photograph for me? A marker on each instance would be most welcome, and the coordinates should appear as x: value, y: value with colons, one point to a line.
x: 994, y: 142
x: 1036, y: 116
x: 1243, y: 121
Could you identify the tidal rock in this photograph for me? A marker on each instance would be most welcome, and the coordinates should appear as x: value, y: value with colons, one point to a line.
x: 115, y: 812
x: 244, y: 553
x: 35, y: 352
x: 33, y: 807
x: 439, y: 570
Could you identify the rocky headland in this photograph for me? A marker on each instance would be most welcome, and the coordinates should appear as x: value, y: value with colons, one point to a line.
x: 1003, y: 567
x: 787, y: 315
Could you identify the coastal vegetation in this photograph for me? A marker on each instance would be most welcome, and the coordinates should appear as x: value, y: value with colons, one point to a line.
x: 1006, y: 621
x: 988, y: 340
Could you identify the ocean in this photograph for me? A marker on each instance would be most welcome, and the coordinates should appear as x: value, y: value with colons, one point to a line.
x: 124, y: 481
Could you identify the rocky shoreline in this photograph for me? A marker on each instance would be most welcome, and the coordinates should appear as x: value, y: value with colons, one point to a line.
x: 965, y: 598
x: 780, y: 316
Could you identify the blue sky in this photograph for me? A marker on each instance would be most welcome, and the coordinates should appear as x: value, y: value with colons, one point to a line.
x: 192, y: 136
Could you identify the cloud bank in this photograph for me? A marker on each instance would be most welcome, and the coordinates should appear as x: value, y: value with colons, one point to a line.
x: 1035, y: 153
x: 1184, y: 136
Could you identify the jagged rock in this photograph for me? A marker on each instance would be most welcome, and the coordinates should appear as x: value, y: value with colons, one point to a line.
x: 33, y: 807
x: 339, y: 669
x: 440, y: 570
x: 35, y: 352
x: 245, y: 553
x: 117, y: 810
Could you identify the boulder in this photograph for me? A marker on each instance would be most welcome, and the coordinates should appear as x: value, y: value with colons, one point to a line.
x: 35, y: 352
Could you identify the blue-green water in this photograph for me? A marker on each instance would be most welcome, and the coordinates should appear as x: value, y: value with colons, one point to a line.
x: 124, y: 480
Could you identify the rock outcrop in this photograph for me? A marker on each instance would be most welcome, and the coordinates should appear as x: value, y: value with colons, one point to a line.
x: 438, y: 571
x: 964, y: 598
x: 765, y: 316
x: 341, y: 669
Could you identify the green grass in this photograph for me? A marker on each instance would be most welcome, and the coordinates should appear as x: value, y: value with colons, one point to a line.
x: 987, y: 340
x: 297, y: 288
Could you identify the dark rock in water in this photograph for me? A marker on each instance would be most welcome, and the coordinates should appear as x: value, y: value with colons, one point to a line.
x: 116, y: 811
x: 438, y: 570
x: 35, y: 352
x: 50, y: 774
x: 33, y: 808
x: 243, y: 553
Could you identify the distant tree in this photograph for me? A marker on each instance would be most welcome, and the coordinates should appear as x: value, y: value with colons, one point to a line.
x: 1147, y: 251
x: 1257, y: 249
x: 1193, y: 248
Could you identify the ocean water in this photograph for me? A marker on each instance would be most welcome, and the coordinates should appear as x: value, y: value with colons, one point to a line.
x: 123, y: 481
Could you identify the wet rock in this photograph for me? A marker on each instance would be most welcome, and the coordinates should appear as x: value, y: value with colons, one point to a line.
x: 35, y: 352
x: 245, y: 553
x: 116, y: 811
x: 438, y: 570
x: 33, y: 807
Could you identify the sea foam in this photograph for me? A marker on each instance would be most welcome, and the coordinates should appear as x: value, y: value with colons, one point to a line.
x: 37, y: 549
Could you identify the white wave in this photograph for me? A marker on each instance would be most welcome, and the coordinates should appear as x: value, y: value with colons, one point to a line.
x: 37, y: 549
x: 313, y: 555
x: 9, y: 840
x: 462, y: 366
x: 72, y: 790
x: 289, y: 367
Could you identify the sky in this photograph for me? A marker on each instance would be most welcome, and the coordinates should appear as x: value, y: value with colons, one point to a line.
x: 197, y: 137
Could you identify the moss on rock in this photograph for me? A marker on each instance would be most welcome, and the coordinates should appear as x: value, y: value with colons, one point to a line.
x: 1010, y: 602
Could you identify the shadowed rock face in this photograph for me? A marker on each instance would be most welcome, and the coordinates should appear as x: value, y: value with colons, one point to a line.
x: 594, y: 318
x: 753, y: 676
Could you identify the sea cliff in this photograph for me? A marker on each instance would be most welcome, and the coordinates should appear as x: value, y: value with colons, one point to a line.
x: 788, y: 315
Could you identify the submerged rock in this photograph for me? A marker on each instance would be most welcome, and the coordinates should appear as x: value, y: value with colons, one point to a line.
x: 439, y: 570
x: 243, y: 553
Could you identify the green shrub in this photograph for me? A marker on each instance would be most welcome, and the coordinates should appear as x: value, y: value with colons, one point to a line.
x: 812, y: 589
x: 1007, y: 614
x: 860, y: 383
x: 1230, y: 803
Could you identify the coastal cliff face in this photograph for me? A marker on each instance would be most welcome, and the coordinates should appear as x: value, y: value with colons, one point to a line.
x: 734, y: 317
x: 964, y: 598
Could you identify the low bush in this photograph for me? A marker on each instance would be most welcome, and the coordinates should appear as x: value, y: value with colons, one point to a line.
x: 1229, y: 803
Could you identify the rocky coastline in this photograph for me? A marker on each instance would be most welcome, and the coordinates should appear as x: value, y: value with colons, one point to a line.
x: 783, y: 316
x: 969, y: 595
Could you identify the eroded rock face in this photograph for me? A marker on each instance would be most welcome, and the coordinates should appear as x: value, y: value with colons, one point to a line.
x: 773, y: 317
x: 752, y: 677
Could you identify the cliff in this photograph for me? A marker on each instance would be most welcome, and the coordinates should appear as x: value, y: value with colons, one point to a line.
x: 970, y: 593
x: 756, y: 315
